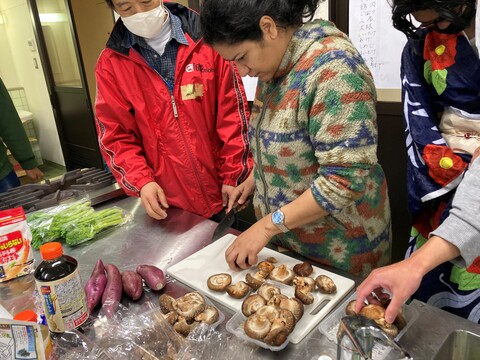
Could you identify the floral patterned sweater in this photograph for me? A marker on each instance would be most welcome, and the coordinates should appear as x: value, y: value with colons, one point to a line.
x: 314, y: 127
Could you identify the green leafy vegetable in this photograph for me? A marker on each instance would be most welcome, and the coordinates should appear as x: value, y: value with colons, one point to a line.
x: 92, y: 225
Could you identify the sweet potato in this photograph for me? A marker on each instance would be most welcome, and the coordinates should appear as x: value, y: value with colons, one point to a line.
x: 113, y: 290
x: 94, y: 289
x: 152, y: 275
x: 132, y: 284
x: 98, y: 269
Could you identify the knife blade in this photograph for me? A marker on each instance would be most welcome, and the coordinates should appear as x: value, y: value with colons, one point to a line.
x: 229, y: 219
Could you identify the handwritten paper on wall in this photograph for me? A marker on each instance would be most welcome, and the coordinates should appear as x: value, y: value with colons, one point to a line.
x: 381, y: 45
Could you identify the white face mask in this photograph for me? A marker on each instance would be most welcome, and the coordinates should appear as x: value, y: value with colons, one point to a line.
x: 146, y: 24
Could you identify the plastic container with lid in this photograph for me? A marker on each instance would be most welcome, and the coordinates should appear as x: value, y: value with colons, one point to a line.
x: 31, y: 316
x: 60, y: 289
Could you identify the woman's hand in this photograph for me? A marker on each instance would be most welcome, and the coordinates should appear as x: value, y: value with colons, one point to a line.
x: 227, y: 191
x: 241, y: 193
x: 400, y: 279
x: 35, y: 174
x: 154, y: 200
x: 242, y: 253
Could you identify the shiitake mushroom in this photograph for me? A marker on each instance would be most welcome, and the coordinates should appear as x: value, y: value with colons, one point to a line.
x: 257, y: 326
x: 209, y: 315
x: 187, y: 311
x: 238, y: 290
x: 305, y: 297
x: 265, y: 266
x: 294, y: 305
x: 252, y: 303
x: 376, y: 313
x: 303, y: 269
x: 325, y: 284
x: 166, y: 303
x: 267, y: 291
x: 304, y: 283
x: 219, y: 282
x: 256, y: 280
x: 282, y: 274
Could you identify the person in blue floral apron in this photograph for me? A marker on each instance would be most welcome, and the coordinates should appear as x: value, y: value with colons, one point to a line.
x: 440, y: 75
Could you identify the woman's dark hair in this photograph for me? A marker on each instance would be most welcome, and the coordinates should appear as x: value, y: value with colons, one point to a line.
x: 447, y: 10
x: 234, y: 21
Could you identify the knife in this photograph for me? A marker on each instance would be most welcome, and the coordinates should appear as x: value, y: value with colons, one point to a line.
x: 227, y: 222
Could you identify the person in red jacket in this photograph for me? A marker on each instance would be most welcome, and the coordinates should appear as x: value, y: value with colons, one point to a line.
x: 171, y: 114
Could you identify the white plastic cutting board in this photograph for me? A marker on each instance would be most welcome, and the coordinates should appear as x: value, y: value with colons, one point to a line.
x: 198, y: 267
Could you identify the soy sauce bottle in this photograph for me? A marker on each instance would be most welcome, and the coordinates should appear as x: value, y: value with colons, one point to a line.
x: 60, y: 289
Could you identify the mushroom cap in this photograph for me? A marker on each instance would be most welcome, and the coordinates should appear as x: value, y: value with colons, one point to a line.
x: 350, y: 308
x: 219, y: 282
x: 209, y: 315
x: 265, y: 266
x: 171, y: 317
x: 294, y: 305
x: 268, y: 291
x: 252, y: 303
x: 303, y: 269
x: 166, y: 303
x: 182, y: 327
x: 277, y: 336
x: 257, y: 326
x: 256, y: 280
x: 287, y: 318
x: 305, y: 297
x: 269, y: 311
x: 276, y: 299
x: 390, y: 329
x: 194, y: 295
x: 282, y: 274
x: 325, y: 284
x: 238, y: 290
x: 189, y: 305
x: 272, y: 259
x: 304, y: 283
x: 373, y: 311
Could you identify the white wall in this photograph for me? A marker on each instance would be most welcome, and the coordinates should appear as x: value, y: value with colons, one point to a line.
x: 17, y: 70
x: 322, y: 11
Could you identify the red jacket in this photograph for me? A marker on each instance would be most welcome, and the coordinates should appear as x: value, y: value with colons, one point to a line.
x: 189, y: 142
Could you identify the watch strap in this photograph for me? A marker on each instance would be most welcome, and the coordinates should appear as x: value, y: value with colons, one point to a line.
x: 280, y: 225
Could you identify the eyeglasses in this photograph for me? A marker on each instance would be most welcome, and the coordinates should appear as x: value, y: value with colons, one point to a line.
x: 427, y: 25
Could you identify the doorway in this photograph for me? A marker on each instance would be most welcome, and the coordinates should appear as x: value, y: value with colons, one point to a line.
x: 65, y: 77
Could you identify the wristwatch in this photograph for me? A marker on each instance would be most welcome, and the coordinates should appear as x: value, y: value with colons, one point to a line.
x: 278, y: 219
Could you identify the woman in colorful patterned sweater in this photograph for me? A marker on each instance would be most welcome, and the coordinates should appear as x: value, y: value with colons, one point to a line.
x: 318, y: 188
x: 441, y: 100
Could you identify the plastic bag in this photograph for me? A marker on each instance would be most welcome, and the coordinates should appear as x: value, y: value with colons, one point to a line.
x: 16, y: 258
x: 74, y: 223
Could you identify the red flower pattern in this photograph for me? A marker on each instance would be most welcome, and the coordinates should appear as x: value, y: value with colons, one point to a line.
x: 440, y: 49
x: 443, y: 164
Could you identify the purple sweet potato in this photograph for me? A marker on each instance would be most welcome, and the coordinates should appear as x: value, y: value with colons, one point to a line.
x: 113, y: 290
x: 94, y: 289
x: 152, y: 275
x: 98, y: 269
x: 132, y: 284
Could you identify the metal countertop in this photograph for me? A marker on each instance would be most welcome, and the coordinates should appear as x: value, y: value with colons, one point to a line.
x: 164, y: 243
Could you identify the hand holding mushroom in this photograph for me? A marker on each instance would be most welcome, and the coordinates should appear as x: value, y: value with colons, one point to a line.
x: 242, y: 253
x: 400, y: 279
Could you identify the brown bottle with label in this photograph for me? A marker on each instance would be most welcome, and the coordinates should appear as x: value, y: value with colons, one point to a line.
x: 60, y: 289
